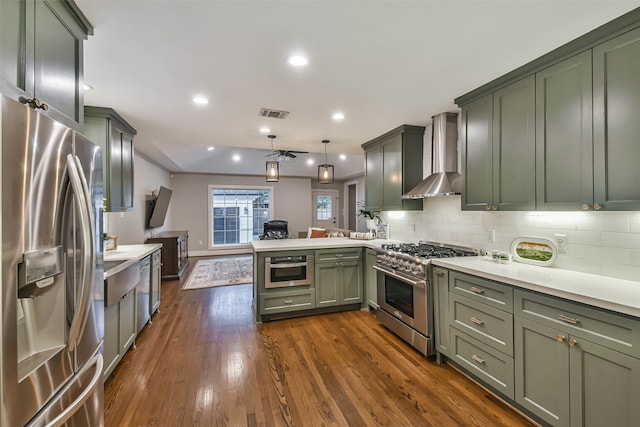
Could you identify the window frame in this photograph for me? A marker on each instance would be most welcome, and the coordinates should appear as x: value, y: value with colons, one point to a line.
x: 210, y: 216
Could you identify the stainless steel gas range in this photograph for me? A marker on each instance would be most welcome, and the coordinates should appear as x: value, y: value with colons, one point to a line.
x: 405, y: 295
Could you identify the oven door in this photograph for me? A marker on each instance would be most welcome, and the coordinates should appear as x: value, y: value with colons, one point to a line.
x: 286, y: 274
x: 403, y: 298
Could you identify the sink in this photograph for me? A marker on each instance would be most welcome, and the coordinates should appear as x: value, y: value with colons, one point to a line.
x: 108, y: 265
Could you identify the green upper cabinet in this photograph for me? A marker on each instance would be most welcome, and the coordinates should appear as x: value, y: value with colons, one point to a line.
x: 498, y: 149
x: 564, y: 148
x: 111, y: 131
x: 616, y: 123
x: 373, y: 173
x: 561, y: 132
x: 393, y: 166
x: 41, y: 55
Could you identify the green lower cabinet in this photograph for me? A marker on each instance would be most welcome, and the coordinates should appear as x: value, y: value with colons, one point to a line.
x: 287, y: 301
x: 371, y: 278
x: 338, y: 278
x: 569, y: 381
x: 119, y: 330
x: 542, y: 371
x: 442, y: 318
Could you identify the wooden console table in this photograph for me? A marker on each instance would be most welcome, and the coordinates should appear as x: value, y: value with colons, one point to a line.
x: 175, y: 252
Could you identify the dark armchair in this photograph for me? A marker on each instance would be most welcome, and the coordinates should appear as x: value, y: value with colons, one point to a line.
x: 275, y: 229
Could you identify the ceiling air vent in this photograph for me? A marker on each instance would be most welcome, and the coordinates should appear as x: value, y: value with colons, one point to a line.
x: 274, y: 114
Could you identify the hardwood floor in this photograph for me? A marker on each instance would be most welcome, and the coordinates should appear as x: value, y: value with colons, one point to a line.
x: 204, y: 362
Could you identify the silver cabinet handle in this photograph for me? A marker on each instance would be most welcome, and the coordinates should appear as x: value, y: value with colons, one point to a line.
x: 477, y: 321
x: 487, y: 208
x: 478, y: 359
x: 476, y: 290
x: 288, y: 301
x: 440, y: 273
x: 494, y: 208
x: 568, y: 319
x: 585, y: 206
x: 597, y: 206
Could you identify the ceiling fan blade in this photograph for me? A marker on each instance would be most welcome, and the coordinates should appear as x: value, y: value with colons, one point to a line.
x: 290, y: 154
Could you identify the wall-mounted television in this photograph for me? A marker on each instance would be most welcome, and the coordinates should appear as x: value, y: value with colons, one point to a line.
x: 158, y: 208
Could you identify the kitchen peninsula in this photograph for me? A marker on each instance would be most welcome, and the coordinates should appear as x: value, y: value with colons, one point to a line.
x: 296, y: 277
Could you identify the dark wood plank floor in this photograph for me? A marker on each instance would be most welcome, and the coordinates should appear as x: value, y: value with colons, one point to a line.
x: 204, y: 362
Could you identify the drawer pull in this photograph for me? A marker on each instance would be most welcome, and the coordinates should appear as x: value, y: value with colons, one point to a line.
x: 572, y: 342
x: 478, y: 359
x: 477, y: 321
x: 561, y: 338
x: 568, y: 319
x: 440, y: 273
x: 288, y: 301
x: 476, y: 290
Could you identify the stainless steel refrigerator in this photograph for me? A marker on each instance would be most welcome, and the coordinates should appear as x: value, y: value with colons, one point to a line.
x: 51, y: 302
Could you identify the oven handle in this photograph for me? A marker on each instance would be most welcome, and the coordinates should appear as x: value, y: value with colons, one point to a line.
x: 289, y: 265
x: 416, y: 283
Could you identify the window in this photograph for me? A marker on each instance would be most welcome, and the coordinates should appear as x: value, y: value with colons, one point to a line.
x: 237, y: 214
x: 324, y: 210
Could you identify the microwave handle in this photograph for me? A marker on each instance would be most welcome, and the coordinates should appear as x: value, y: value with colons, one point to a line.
x: 289, y: 265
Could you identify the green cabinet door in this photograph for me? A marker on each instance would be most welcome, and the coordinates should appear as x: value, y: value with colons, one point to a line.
x: 12, y: 14
x: 111, y: 351
x: 564, y: 143
x: 373, y: 177
x: 477, y: 154
x: 351, y: 278
x: 605, y: 386
x: 371, y: 278
x: 616, y: 123
x: 327, y: 284
x: 127, y: 172
x: 392, y: 172
x: 542, y: 371
x: 441, y: 314
x: 128, y: 325
x: 514, y: 146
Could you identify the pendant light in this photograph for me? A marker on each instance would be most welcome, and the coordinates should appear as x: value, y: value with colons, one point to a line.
x: 273, y: 166
x: 325, y: 172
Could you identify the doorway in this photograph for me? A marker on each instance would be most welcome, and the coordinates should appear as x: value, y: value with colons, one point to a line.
x: 325, y: 208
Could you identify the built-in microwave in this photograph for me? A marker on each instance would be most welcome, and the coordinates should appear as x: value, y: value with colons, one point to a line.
x: 285, y: 271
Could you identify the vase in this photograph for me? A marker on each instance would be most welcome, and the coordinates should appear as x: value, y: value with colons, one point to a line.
x: 371, y: 224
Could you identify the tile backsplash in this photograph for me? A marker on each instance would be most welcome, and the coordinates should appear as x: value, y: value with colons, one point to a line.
x: 605, y: 243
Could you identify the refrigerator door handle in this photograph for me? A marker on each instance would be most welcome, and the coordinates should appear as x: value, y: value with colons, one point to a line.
x: 91, y: 249
x: 70, y: 410
x: 84, y: 214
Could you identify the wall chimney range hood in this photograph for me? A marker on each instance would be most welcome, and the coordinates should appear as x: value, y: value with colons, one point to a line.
x: 445, y: 179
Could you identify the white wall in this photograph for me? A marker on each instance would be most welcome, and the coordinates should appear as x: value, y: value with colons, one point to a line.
x: 130, y: 226
x: 291, y: 202
x: 605, y: 243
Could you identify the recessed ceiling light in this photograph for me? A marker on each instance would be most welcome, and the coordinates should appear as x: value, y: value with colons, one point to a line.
x: 236, y: 157
x: 201, y: 100
x: 310, y: 161
x: 86, y: 86
x: 211, y: 148
x: 264, y: 129
x: 337, y: 116
x: 298, y: 61
x: 343, y: 157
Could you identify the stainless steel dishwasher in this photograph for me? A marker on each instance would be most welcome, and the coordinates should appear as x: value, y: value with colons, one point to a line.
x: 143, y: 296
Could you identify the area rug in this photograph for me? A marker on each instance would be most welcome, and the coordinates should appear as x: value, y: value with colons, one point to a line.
x: 222, y: 271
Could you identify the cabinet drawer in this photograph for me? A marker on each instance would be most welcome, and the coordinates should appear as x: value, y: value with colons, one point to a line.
x: 333, y: 255
x: 281, y: 302
x: 485, y: 291
x: 155, y: 259
x: 491, y: 326
x: 485, y: 363
x: 612, y: 330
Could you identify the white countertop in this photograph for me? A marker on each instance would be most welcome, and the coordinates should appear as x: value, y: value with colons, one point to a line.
x: 319, y: 243
x: 618, y: 295
x: 129, y: 254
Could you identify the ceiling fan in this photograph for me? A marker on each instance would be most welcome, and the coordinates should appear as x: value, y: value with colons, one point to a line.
x: 283, y: 154
x: 286, y: 153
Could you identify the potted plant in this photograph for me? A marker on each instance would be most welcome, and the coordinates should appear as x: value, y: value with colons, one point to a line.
x: 372, y: 218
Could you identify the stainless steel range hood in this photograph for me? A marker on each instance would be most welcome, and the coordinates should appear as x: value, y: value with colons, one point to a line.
x: 445, y: 179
